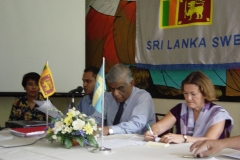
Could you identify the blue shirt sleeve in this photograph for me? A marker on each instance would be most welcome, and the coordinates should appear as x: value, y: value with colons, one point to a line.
x: 85, y: 106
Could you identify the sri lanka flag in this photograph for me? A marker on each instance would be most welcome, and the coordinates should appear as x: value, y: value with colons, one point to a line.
x: 46, y: 82
x: 180, y: 13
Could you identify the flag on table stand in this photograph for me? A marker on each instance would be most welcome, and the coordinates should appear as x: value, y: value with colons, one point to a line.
x: 100, y: 87
x: 46, y: 85
x: 98, y: 99
x: 46, y: 82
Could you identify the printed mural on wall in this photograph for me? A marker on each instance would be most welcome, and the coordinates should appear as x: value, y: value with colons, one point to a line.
x: 111, y: 27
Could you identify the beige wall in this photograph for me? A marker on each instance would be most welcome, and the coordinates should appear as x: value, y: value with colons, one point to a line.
x: 161, y: 106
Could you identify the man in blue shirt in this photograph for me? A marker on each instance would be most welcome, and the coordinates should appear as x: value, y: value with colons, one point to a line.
x: 85, y: 104
x: 137, y: 107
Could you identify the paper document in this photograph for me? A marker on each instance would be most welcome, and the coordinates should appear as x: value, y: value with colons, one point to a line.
x: 52, y: 110
x: 137, y: 140
x: 156, y: 144
x: 233, y: 155
x: 114, y: 143
x: 3, y: 138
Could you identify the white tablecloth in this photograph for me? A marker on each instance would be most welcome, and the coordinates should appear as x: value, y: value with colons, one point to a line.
x: 122, y: 147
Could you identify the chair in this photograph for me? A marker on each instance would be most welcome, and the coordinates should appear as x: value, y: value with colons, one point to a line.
x: 226, y: 133
x: 171, y: 130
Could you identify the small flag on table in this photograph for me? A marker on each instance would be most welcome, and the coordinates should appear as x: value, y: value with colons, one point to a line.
x: 46, y: 82
x: 100, y: 87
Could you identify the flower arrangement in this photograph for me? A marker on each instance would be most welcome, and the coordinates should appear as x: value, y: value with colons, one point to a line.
x: 75, y: 126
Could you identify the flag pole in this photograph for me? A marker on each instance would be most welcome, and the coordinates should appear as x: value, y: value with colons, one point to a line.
x: 103, y: 101
x: 47, y: 114
x: 102, y: 148
x: 47, y: 109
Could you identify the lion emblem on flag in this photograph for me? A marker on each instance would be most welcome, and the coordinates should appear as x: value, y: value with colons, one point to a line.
x: 194, y: 7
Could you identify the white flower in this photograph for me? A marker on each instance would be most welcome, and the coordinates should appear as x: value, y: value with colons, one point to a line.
x: 92, y: 121
x: 82, y: 116
x: 94, y: 127
x: 78, y: 124
x: 58, y: 126
x: 77, y: 112
x: 68, y: 129
x: 54, y: 136
x: 63, y: 131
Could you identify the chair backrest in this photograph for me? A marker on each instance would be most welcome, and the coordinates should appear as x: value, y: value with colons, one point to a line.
x: 226, y: 133
x: 171, y: 130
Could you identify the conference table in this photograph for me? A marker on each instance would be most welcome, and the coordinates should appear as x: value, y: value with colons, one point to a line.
x: 127, y: 146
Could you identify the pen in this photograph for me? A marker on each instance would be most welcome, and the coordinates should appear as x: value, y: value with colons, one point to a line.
x: 149, y: 128
x: 156, y: 139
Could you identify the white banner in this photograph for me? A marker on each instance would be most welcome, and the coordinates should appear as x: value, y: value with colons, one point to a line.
x: 183, y: 34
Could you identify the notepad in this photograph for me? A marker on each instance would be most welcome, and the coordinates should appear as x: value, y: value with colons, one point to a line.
x: 156, y: 144
x: 28, y: 132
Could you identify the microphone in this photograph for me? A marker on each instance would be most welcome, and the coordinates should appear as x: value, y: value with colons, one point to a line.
x: 79, y: 89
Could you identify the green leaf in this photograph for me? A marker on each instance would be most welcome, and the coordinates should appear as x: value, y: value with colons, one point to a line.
x: 68, y: 143
x: 49, y: 136
x: 92, y: 141
x: 52, y: 119
x: 80, y: 140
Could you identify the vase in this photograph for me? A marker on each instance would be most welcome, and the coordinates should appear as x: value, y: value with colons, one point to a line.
x: 74, y: 142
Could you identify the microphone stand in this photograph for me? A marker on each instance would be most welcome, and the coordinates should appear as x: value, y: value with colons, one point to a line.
x: 72, y: 92
x: 72, y: 103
